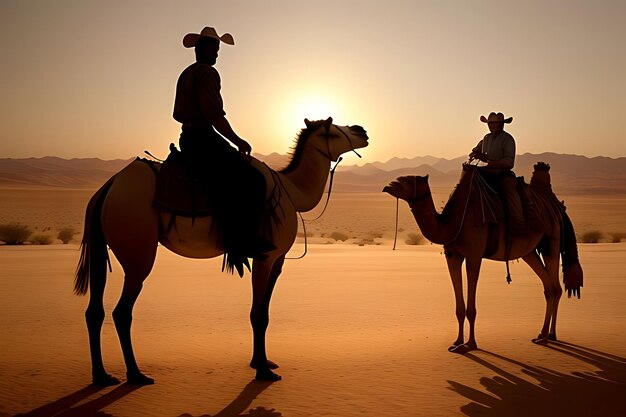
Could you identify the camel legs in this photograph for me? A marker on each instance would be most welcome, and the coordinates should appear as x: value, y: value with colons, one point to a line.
x: 123, y: 317
x: 455, y: 262
x: 472, y: 266
x: 264, y: 277
x: 95, y: 317
x: 548, y: 272
x: 137, y: 258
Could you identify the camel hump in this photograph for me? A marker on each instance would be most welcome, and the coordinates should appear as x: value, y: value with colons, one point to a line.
x: 541, y: 176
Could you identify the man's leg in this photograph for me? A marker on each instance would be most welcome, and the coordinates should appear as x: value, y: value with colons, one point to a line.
x: 514, y: 205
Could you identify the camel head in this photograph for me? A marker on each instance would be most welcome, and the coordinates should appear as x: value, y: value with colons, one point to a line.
x: 332, y: 140
x: 408, y: 188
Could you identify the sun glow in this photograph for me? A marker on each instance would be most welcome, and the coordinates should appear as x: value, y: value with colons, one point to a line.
x: 304, y: 105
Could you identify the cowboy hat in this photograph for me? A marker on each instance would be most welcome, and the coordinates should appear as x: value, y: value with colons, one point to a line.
x: 191, y: 39
x: 495, y: 118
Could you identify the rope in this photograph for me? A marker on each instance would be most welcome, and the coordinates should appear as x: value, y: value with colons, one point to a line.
x: 469, y: 192
x: 306, y: 246
x: 395, y: 236
x: 330, y: 187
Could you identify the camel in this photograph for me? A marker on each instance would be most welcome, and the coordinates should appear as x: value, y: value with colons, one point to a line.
x: 466, y: 236
x: 121, y: 216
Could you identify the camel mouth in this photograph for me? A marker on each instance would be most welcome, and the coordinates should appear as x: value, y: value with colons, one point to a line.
x: 359, y: 131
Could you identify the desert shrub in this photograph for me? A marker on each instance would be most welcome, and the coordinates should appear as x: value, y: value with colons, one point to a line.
x: 618, y: 237
x: 592, y: 236
x: 339, y: 236
x: 40, y: 240
x: 14, y: 233
x: 66, y: 234
x: 414, y: 239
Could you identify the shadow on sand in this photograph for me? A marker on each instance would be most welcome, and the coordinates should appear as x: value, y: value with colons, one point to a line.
x: 64, y: 407
x: 599, y: 393
x: 240, y: 404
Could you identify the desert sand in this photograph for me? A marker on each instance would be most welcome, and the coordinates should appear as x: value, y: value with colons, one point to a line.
x: 356, y: 330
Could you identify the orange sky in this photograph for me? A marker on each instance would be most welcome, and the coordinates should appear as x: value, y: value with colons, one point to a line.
x: 84, y: 78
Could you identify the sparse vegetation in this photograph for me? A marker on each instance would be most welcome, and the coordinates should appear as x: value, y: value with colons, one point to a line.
x: 339, y: 236
x: 367, y: 241
x: 66, y: 234
x: 414, y: 239
x: 618, y: 237
x: 40, y: 240
x: 14, y: 233
x: 592, y: 236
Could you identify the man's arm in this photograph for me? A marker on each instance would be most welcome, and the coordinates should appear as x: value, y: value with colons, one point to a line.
x: 221, y: 124
x: 477, y: 152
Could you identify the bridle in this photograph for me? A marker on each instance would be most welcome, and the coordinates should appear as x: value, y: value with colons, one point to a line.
x: 330, y: 184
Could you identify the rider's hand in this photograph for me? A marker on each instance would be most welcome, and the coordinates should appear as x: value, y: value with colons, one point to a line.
x: 244, y: 147
x: 478, y: 155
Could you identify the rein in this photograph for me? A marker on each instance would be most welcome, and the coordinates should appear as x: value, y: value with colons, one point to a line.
x: 469, y: 193
x: 330, y: 187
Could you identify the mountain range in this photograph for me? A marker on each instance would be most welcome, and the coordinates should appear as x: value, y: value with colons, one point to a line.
x: 572, y: 174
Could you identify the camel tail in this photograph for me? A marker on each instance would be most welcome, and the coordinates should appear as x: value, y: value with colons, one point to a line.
x: 93, y: 248
x: 572, y: 271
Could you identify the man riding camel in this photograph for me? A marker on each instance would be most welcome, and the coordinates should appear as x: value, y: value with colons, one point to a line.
x: 497, y: 150
x: 236, y: 187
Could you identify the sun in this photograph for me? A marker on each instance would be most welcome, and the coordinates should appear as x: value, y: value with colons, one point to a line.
x: 301, y: 105
x: 313, y: 107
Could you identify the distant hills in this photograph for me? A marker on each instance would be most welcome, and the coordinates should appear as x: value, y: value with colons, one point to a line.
x: 571, y: 174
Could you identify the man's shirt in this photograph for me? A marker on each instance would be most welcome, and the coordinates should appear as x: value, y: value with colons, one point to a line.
x: 198, y: 99
x: 498, y: 147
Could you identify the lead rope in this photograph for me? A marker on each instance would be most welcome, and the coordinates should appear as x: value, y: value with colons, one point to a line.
x: 330, y: 187
x: 395, y: 236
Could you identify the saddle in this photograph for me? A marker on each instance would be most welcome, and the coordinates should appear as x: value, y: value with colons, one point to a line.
x: 541, y: 208
x: 180, y: 190
x: 535, y: 198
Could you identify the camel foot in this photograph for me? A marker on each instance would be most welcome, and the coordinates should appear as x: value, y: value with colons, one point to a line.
x: 267, y: 375
x: 268, y: 363
x: 455, y: 345
x: 104, y: 380
x: 542, y: 339
x: 137, y: 378
x: 462, y: 349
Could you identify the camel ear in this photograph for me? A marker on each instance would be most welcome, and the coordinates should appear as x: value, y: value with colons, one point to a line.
x: 328, y: 122
x: 307, y: 122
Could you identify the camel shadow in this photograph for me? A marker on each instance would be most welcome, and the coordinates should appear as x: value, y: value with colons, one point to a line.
x: 65, y: 407
x: 240, y: 404
x: 599, y: 393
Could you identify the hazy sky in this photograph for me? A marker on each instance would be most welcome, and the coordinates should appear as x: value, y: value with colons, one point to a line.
x: 83, y: 78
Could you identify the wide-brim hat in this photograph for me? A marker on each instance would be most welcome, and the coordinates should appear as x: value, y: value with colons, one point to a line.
x: 191, y: 39
x: 495, y: 118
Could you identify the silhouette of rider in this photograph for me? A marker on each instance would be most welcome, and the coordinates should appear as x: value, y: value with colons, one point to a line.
x: 497, y: 150
x: 235, y: 186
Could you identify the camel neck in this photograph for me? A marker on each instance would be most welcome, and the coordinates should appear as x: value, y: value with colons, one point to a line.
x: 430, y: 222
x: 306, y: 183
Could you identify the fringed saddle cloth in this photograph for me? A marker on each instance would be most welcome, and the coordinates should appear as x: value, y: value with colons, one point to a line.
x: 540, y: 205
